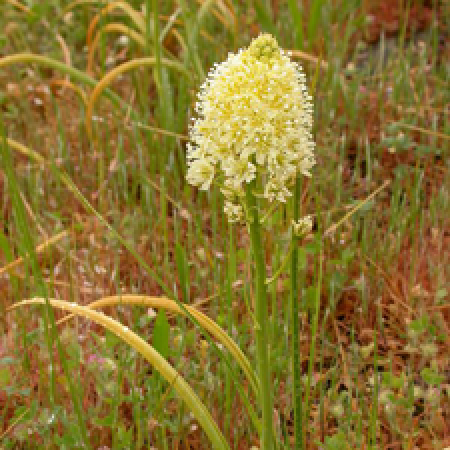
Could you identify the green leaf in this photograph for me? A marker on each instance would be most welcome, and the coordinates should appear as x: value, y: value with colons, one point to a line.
x: 419, y: 325
x: 441, y: 294
x: 182, y: 267
x: 314, y: 19
x: 431, y: 377
x: 264, y: 18
x: 297, y: 19
x: 336, y: 442
x: 7, y: 360
x: 310, y: 297
x: 161, y: 334
x: 392, y: 381
x: 5, y: 377
x: 105, y: 421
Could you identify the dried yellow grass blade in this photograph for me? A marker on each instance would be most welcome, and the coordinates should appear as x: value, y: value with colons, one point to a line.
x: 14, y: 423
x: 39, y: 249
x: 180, y: 39
x: 203, y: 320
x: 170, y: 19
x: 73, y: 87
x: 112, y: 28
x: 424, y: 130
x: 134, y: 15
x: 152, y: 356
x: 114, y: 73
x: 183, y: 137
x: 336, y: 225
x: 18, y: 5
x: 25, y: 150
x: 84, y: 2
x: 205, y: 5
x: 307, y: 57
x: 227, y: 9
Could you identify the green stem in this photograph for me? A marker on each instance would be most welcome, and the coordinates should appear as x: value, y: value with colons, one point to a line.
x: 315, y: 325
x: 262, y: 325
x: 298, y: 425
x: 231, y: 274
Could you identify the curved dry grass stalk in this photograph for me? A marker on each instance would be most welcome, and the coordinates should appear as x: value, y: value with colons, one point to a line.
x: 152, y: 356
x: 19, y: 5
x: 112, y: 28
x: 114, y: 73
x: 170, y: 305
x: 76, y: 3
x: 136, y: 17
x: 73, y: 87
x: 59, y: 38
x: 10, y: 267
x: 26, y: 151
x: 359, y: 205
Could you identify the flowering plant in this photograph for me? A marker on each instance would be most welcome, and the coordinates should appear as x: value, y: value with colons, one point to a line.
x: 253, y: 130
x: 254, y: 116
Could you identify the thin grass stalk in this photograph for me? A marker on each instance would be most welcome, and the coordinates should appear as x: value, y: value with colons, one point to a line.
x: 160, y: 75
x: 261, y: 317
x: 153, y: 19
x: 229, y: 302
x: 313, y: 20
x: 374, y: 412
x: 163, y: 203
x: 295, y: 348
x: 297, y: 18
x: 191, y: 30
x: 315, y: 325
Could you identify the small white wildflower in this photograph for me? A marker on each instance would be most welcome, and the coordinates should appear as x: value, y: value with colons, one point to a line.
x: 302, y: 226
x: 253, y: 115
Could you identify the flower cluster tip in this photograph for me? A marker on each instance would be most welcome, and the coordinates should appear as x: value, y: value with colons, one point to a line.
x: 254, y: 118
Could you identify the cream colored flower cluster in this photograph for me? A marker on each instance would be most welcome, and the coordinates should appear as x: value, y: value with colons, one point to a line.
x: 254, y: 115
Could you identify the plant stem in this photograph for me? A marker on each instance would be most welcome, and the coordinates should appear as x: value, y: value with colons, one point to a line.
x: 262, y: 325
x: 296, y: 369
x: 315, y: 324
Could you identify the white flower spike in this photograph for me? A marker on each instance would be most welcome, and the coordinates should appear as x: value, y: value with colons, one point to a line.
x: 254, y: 115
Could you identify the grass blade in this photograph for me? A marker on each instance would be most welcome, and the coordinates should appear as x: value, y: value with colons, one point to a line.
x: 264, y: 18
x: 298, y: 23
x: 297, y: 382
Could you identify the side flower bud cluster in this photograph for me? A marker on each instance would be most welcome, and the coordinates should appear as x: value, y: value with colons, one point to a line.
x: 303, y: 226
x: 254, y: 116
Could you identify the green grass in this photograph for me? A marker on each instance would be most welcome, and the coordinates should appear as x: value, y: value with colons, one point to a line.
x: 374, y: 292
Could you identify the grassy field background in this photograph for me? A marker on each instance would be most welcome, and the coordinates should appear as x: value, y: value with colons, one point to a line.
x: 94, y: 203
